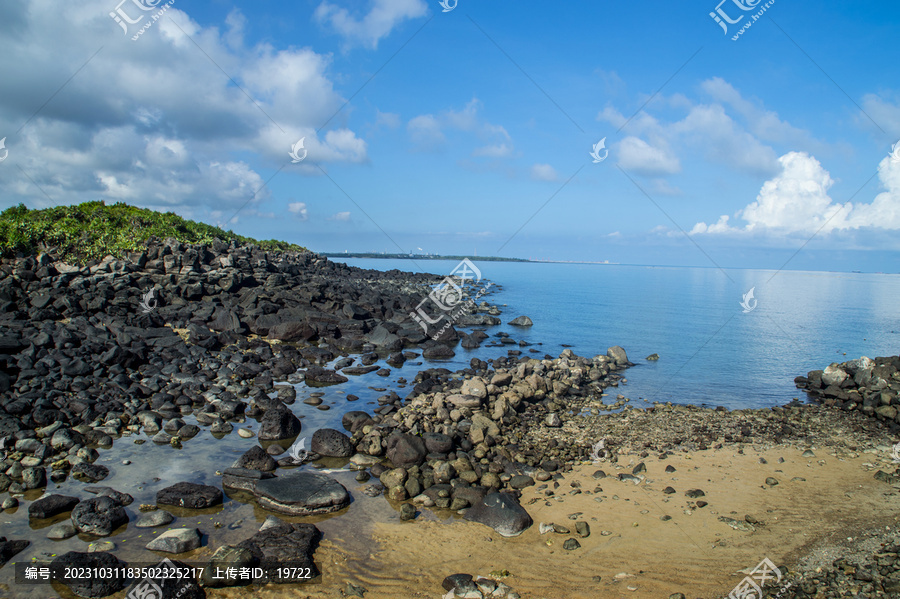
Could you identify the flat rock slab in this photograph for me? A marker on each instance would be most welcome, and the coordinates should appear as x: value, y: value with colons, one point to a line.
x: 51, y: 505
x: 244, y: 479
x: 190, y: 495
x: 501, y: 512
x: 93, y: 586
x: 302, y: 494
x: 176, y: 540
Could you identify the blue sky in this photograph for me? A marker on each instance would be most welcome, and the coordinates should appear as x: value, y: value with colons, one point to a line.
x: 470, y: 131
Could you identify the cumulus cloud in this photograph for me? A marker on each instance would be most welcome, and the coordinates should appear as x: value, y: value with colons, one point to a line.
x: 153, y: 121
x: 730, y: 130
x: 797, y: 201
x: 341, y: 216
x: 368, y: 29
x: 427, y: 131
x: 299, y: 208
x: 543, y: 172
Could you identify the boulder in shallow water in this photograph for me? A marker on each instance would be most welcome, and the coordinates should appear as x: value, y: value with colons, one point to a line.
x: 302, y: 494
x: 190, y: 495
x: 521, y: 321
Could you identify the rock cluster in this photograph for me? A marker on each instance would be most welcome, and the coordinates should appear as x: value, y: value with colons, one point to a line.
x: 871, y: 387
x: 88, y: 353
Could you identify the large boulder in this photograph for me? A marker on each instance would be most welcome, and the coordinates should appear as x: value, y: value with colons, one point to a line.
x: 618, y: 356
x: 300, y: 493
x: 521, y: 321
x: 355, y: 420
x: 256, y: 458
x: 331, y: 443
x: 278, y: 423
x: 88, y: 586
x: 834, y: 375
x: 225, y: 557
x: 279, y: 544
x: 501, y: 512
x: 190, y: 495
x: 99, y: 516
x: 404, y: 450
x: 51, y: 505
x: 474, y: 386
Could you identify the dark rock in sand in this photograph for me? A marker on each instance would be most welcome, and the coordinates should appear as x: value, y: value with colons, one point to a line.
x: 501, y: 512
x: 98, y: 516
x: 277, y: 424
x: 694, y: 493
x: 91, y: 586
x: 189, y: 495
x: 51, y: 505
x: 302, y: 493
x: 331, y: 443
x: 460, y: 584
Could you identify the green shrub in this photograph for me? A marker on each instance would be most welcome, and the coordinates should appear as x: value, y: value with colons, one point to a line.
x: 93, y: 230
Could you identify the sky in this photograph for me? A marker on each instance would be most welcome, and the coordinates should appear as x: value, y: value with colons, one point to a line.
x: 745, y: 134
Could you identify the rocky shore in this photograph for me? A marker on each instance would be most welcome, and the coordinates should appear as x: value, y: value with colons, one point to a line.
x: 177, y: 339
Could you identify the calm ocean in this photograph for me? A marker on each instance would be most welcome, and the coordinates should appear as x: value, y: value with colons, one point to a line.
x: 711, y: 352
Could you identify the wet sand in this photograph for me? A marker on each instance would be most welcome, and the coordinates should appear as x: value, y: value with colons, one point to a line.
x: 644, y: 556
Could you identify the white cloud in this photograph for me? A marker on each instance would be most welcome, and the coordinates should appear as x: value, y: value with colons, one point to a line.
x: 299, y: 208
x: 153, y: 121
x: 378, y: 23
x: 797, y: 201
x: 731, y: 130
x: 543, y: 172
x: 637, y: 155
x: 340, y: 216
x: 426, y: 131
x: 387, y: 119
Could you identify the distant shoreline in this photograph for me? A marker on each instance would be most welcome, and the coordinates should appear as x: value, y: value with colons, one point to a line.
x: 438, y: 257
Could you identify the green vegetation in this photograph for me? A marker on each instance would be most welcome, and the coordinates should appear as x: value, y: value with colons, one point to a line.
x: 93, y: 230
